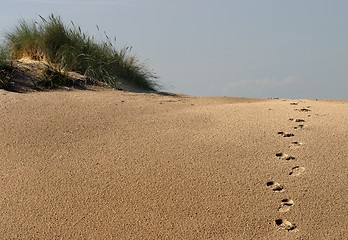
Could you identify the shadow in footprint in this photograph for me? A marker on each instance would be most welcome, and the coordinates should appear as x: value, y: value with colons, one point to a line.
x: 295, y: 144
x: 284, y: 156
x: 285, y: 224
x: 303, y: 110
x: 286, y: 205
x: 296, y: 120
x: 293, y: 103
x: 284, y: 134
x: 296, y: 171
x: 276, y: 187
x: 299, y: 126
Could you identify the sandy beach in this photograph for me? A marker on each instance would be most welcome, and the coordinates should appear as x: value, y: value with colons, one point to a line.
x: 108, y: 164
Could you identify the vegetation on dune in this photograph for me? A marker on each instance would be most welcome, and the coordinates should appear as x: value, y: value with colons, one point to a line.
x: 5, y: 69
x: 66, y: 48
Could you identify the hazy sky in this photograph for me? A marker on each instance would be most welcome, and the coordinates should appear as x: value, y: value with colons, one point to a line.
x: 250, y: 48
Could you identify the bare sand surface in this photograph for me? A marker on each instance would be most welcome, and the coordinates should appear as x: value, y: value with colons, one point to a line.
x: 118, y: 165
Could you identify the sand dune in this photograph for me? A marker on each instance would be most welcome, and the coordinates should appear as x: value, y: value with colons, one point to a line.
x: 117, y: 165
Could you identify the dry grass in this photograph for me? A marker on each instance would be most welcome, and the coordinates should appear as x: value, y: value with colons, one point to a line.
x: 69, y: 49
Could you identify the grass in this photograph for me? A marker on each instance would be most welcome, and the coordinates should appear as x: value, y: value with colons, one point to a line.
x: 52, y: 78
x: 6, y: 69
x: 67, y: 48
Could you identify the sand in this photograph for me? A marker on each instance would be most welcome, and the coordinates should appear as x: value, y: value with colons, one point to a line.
x: 120, y: 165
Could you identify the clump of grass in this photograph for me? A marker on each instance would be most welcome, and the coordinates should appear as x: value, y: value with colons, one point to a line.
x: 24, y: 41
x: 52, y: 78
x: 69, y: 49
x: 4, y: 56
x: 6, y: 70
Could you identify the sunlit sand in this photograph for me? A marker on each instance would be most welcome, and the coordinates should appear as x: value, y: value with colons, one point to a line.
x: 108, y: 164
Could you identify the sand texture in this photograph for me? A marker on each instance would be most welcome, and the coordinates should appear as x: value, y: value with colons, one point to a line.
x: 118, y: 165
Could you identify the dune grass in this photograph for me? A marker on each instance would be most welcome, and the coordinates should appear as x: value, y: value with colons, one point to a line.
x: 67, y: 48
x: 5, y: 69
x: 4, y: 55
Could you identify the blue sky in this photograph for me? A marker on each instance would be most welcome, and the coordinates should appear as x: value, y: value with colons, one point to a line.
x: 248, y: 48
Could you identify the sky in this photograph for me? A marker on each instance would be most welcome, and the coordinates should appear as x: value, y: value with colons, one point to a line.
x: 240, y: 48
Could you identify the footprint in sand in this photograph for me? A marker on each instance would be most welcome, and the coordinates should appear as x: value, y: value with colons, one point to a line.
x: 303, y: 110
x: 297, y: 120
x: 284, y: 134
x: 296, y: 171
x: 284, y: 156
x: 295, y: 144
x: 300, y: 126
x: 285, y: 224
x: 285, y: 205
x: 276, y: 187
x: 293, y: 103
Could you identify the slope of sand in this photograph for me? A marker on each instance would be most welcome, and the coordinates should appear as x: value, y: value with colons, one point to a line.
x: 116, y: 165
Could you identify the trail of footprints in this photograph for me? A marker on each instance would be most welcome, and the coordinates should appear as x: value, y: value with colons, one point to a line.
x: 286, y: 204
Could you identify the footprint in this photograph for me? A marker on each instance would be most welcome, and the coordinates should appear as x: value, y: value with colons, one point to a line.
x: 277, y: 187
x: 299, y: 126
x: 299, y: 120
x: 286, y: 205
x: 295, y: 144
x: 284, y: 156
x: 296, y: 171
x: 285, y: 224
x: 303, y: 110
x: 293, y: 103
x: 284, y: 134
